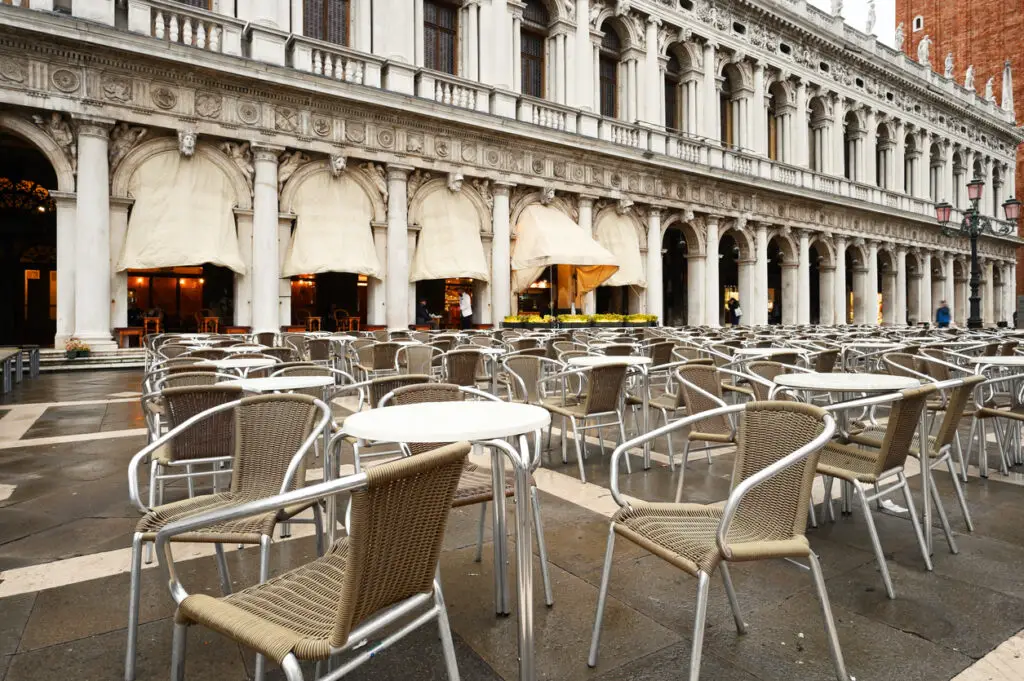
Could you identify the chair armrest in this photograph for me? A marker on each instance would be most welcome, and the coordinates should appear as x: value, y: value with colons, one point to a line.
x: 732, y: 504
x: 201, y: 520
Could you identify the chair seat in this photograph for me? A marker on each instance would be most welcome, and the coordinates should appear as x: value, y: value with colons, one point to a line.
x: 710, y: 437
x: 1016, y: 413
x: 292, y: 613
x: 666, y: 401
x: 475, y: 486
x: 848, y: 463
x: 242, y: 531
x: 737, y: 389
x: 684, y: 535
x: 570, y: 407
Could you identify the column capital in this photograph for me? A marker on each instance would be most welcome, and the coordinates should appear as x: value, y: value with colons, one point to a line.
x: 499, y: 188
x: 93, y: 126
x: 654, y: 211
x: 267, y: 153
x: 397, y: 171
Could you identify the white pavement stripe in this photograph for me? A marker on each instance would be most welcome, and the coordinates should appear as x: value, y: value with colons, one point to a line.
x: 67, y: 439
x: 6, y: 491
x: 18, y: 421
x: 75, y: 403
x: 1004, y: 663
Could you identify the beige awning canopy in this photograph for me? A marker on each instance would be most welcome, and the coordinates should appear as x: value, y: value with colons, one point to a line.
x: 183, y: 215
x: 546, y: 236
x: 618, y: 234
x: 449, y: 245
x: 332, y: 230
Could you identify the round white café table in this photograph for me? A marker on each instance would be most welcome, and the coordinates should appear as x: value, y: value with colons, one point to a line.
x: 272, y: 384
x: 242, y: 366
x: 997, y: 361
x: 846, y: 383
x: 487, y: 423
x: 232, y: 349
x: 865, y: 347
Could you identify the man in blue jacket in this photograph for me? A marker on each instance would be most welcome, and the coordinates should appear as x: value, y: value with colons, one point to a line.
x: 942, y: 316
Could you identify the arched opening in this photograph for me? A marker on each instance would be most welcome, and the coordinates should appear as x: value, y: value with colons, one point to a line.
x: 935, y: 161
x: 674, y: 113
x: 782, y: 281
x: 913, y: 290
x: 886, y: 284
x: 728, y: 276
x: 533, y: 35
x: 623, y: 292
x: 674, y: 274
x: 28, y: 244
x: 731, y: 106
x: 777, y: 128
x: 822, y: 273
x: 855, y: 270
x: 817, y: 136
x: 853, y: 138
x: 997, y: 190
x: 883, y: 157
x: 609, y: 56
x: 912, y: 156
x: 959, y: 180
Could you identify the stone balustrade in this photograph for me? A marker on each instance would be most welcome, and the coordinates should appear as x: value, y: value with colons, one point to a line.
x: 184, y: 25
x: 334, y: 61
x: 453, y: 91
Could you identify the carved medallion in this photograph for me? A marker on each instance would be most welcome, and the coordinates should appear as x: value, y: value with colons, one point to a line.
x: 116, y: 88
x: 414, y: 143
x: 469, y: 153
x: 355, y: 132
x: 386, y: 138
x: 209, y: 105
x: 537, y: 166
x: 578, y: 173
x: 12, y: 70
x: 442, y: 147
x: 248, y: 112
x: 65, y: 80
x: 492, y: 157
x: 286, y: 119
x: 321, y: 126
x: 560, y: 170
x: 163, y: 96
x: 616, y: 180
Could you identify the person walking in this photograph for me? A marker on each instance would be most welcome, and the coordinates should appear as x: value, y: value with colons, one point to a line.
x: 735, y: 312
x: 942, y: 316
x: 466, y: 310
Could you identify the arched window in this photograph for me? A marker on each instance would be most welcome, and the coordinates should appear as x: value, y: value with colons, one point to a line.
x: 440, y: 36
x: 326, y: 20
x: 911, y: 158
x: 818, y: 136
x: 997, y: 186
x: 673, y: 102
x: 959, y: 175
x: 778, y: 123
x: 608, y: 71
x: 852, y: 140
x: 883, y: 152
x: 730, y: 107
x: 935, y: 174
x: 532, y: 36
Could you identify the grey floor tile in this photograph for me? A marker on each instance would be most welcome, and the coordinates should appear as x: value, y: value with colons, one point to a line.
x: 671, y: 664
x: 14, y: 615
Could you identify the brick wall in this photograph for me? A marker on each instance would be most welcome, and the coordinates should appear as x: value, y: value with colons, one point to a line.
x: 984, y: 33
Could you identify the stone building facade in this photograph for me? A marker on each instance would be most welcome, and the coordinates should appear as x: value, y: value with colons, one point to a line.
x: 981, y: 35
x: 747, y: 148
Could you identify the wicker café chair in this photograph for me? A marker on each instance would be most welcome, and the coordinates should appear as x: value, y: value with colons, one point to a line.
x: 476, y: 485
x: 778, y: 445
x: 823, y: 361
x: 282, y: 354
x: 208, y: 353
x: 661, y: 352
x: 171, y: 350
x: 683, y: 353
x: 319, y: 350
x: 460, y: 366
x: 701, y: 388
x: 525, y: 373
x: 295, y: 341
x: 601, y: 399
x: 379, y: 583
x: 418, y: 359
x: 619, y: 349
x: 376, y: 359
x: 877, y: 465
x: 272, y: 435
x: 268, y: 338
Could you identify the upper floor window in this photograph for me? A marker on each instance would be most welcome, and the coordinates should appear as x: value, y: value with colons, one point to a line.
x: 608, y: 71
x: 325, y: 20
x: 918, y: 23
x: 531, y: 51
x: 673, y: 102
x: 440, y: 36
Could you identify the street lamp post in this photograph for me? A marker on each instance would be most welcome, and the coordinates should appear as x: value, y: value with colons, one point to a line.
x: 973, y: 225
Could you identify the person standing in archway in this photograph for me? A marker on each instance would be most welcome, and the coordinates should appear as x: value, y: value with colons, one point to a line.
x: 942, y: 316
x: 735, y: 312
x: 466, y: 309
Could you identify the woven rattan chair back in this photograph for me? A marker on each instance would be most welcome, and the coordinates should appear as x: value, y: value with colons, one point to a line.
x: 604, y: 388
x: 825, y: 361
x: 397, y: 527
x: 901, y: 364
x: 384, y: 356
x: 661, y: 353
x: 171, y: 350
x: 708, y: 380
x: 766, y: 433
x: 208, y: 353
x: 381, y: 335
x: 379, y: 387
x: 295, y: 341
x: 956, y: 405
x: 1009, y: 348
x: 306, y: 370
x: 534, y: 352
x: 442, y: 344
x: 180, y: 378
x: 319, y: 349
x: 525, y: 344
x: 685, y: 353
x: 461, y: 366
x: 419, y: 359
x: 211, y: 437
x: 767, y: 370
x: 226, y: 343
x: 899, y: 431
x: 619, y: 350
x: 268, y: 338
x: 361, y: 343
x: 268, y: 428
x: 482, y: 341
x: 937, y: 370
x: 427, y: 392
x: 528, y: 368
x: 283, y: 354
x: 990, y: 350
x: 563, y: 346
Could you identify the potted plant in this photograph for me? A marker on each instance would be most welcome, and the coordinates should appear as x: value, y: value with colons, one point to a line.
x: 607, y: 320
x: 75, y: 348
x: 537, y: 322
x: 641, y: 320
x: 511, y: 322
x: 573, y: 321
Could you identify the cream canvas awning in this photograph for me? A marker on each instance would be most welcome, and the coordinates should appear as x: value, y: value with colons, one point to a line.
x: 183, y: 215
x: 449, y: 245
x: 618, y: 234
x: 332, y: 231
x: 545, y: 237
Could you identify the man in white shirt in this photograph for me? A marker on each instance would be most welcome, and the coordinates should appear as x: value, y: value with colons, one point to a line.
x: 466, y: 310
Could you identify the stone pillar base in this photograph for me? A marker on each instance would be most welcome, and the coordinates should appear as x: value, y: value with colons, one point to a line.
x: 96, y: 342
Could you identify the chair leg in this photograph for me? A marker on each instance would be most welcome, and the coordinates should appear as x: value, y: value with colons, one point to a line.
x: 541, y: 547
x: 565, y: 440
x: 734, y: 604
x: 602, y: 595
x: 222, y: 569
x: 703, y: 584
x: 959, y: 489
x: 830, y: 624
x: 830, y: 510
x: 480, y: 534
x: 318, y: 528
x: 668, y: 442
x: 600, y: 435
x: 579, y: 449
x: 178, y: 651
x: 445, y: 630
x: 261, y: 662
x: 290, y: 667
x: 622, y: 435
x: 917, y: 523
x: 682, y: 470
x: 155, y: 469
x: 875, y: 542
x: 943, y: 518
x: 133, y: 607
x: 707, y: 452
x: 189, y: 482
x: 982, y: 449
x: 960, y: 456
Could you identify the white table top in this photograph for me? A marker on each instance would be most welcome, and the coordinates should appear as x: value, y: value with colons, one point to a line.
x: 604, y: 360
x: 239, y: 363
x: 871, y: 344
x: 768, y: 352
x: 245, y: 348
x: 404, y: 341
x: 852, y: 382
x: 487, y: 351
x: 275, y: 383
x: 343, y: 337
x: 191, y: 335
x: 446, y: 421
x: 998, y: 361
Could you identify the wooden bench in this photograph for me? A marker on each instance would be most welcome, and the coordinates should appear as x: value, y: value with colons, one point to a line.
x: 125, y: 334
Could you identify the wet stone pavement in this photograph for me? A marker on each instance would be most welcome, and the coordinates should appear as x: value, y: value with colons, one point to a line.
x: 66, y: 524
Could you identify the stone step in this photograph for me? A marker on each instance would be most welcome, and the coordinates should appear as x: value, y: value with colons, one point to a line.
x: 52, y: 359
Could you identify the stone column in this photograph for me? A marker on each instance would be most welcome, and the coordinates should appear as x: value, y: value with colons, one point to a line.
x: 924, y: 167
x: 376, y: 289
x: 265, y: 248
x: 758, y: 307
x: 696, y: 299
x: 790, y: 284
x: 985, y: 205
x: 914, y: 295
x: 501, y: 259
x: 708, y: 109
x: 803, y: 297
x: 867, y: 171
x: 838, y: 139
x: 860, y: 274
x: 66, y: 205
x: 961, y: 293
x: 745, y: 272
x: 839, y: 283
x: 899, y: 156
x: 517, y: 63
x: 472, y: 40
x: 586, y: 222
x: 397, y: 285
x: 826, y: 295
x: 947, y: 184
x: 901, y: 286
x: 655, y: 294
x: 118, y: 280
x: 586, y: 67
x: 653, y: 88
x: 799, y: 136
x: 92, y: 236
x: 949, y: 292
x: 926, y: 310
x: 888, y: 298
x: 243, y: 282
x: 938, y: 288
x: 988, y: 293
x: 757, y: 115
x: 871, y: 285
x: 712, y: 294
x: 284, y: 286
